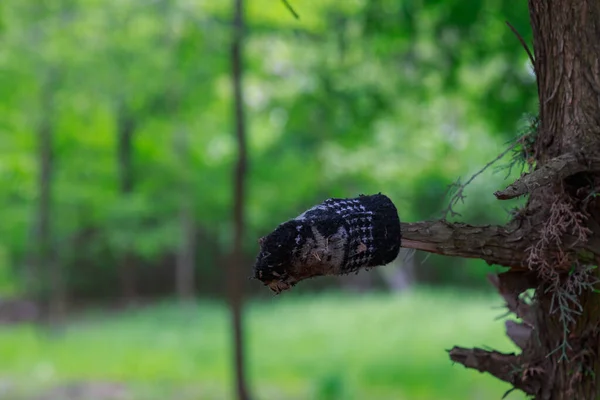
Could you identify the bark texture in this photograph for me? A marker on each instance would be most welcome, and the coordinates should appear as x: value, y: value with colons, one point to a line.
x: 567, y: 63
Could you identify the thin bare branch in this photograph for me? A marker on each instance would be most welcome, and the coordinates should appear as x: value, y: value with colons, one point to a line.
x: 459, y: 196
x: 518, y: 35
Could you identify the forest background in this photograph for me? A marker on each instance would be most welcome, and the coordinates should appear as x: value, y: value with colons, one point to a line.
x: 118, y: 151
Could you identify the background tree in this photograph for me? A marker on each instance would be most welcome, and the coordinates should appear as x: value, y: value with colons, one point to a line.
x: 235, y: 270
x: 125, y: 136
x: 52, y: 290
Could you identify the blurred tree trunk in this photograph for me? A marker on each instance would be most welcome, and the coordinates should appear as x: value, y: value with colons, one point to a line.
x: 49, y: 272
x: 185, y: 266
x: 126, y: 126
x: 235, y: 272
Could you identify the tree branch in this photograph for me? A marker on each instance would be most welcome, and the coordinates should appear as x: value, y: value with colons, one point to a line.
x: 502, y: 245
x: 494, y: 244
x: 518, y: 35
x: 554, y: 170
x: 506, y: 367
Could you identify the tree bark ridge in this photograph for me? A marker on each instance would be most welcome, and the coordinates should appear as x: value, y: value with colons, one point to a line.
x: 554, y: 171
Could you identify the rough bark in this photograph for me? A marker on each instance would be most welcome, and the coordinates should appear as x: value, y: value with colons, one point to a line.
x: 501, y: 245
x: 234, y: 279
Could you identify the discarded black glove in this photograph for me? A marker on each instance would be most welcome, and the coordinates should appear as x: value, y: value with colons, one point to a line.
x: 336, y: 237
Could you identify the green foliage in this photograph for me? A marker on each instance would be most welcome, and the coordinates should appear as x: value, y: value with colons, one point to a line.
x: 319, y: 347
x: 354, y: 97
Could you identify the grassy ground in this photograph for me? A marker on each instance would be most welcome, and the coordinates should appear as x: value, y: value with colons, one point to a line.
x: 321, y: 347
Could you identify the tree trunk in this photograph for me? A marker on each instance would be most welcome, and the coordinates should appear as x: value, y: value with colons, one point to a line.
x: 235, y: 274
x: 50, y: 273
x: 125, y: 130
x: 185, y: 267
x: 560, y: 336
x: 567, y: 64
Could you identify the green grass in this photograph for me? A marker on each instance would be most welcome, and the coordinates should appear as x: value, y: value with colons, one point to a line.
x: 334, y: 346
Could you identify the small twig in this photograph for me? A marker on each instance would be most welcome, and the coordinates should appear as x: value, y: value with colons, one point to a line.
x: 518, y: 35
x: 509, y: 391
x: 460, y: 187
x: 290, y: 8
